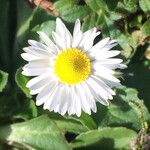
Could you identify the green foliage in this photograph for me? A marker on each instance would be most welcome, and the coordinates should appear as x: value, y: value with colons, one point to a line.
x: 23, y: 125
x: 27, y: 110
x: 75, y: 12
x: 108, y: 138
x: 21, y: 81
x: 3, y: 80
x: 126, y: 103
x: 145, y: 5
x: 62, y: 5
x: 145, y: 28
x: 45, y: 136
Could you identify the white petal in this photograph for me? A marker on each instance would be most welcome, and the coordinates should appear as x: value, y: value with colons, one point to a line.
x: 61, y: 100
x: 71, y: 106
x: 48, y: 42
x: 38, y: 90
x: 101, y: 69
x: 29, y: 57
x: 35, y: 71
x: 34, y: 43
x: 96, y: 96
x: 65, y: 100
x: 89, y: 97
x: 45, y: 93
x: 105, y: 55
x: 40, y: 84
x: 81, y: 95
x: 37, y: 52
x: 77, y: 27
x: 115, y: 66
x: 110, y: 61
x: 49, y: 103
x: 36, y: 79
x: 59, y: 41
x: 102, y: 46
x: 77, y: 34
x: 98, y: 88
x: 88, y: 39
x: 55, y: 104
x: 49, y: 99
x: 105, y: 86
x: 108, y: 77
x: 42, y: 63
x: 64, y: 33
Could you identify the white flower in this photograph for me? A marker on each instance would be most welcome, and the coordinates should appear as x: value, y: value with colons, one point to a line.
x: 70, y: 74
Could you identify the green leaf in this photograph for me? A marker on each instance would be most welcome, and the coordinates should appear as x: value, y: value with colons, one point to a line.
x: 105, y: 138
x: 21, y: 81
x: 27, y: 109
x: 76, y: 12
x: 40, y: 133
x: 3, y: 80
x: 123, y: 111
x: 146, y: 28
x: 69, y: 125
x: 39, y: 17
x: 111, y: 5
x: 97, y: 5
x: 62, y: 5
x: 127, y: 6
x: 85, y: 120
x: 89, y: 22
x: 65, y: 123
x: 145, y: 5
x: 47, y: 27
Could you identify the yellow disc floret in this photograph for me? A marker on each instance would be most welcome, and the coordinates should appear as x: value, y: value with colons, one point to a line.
x: 72, y: 66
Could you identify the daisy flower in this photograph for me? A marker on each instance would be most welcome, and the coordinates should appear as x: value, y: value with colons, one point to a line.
x: 70, y: 74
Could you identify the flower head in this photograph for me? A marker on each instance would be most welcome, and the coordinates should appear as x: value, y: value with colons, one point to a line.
x: 70, y: 73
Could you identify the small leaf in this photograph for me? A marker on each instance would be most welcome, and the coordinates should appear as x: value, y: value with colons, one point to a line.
x: 40, y: 133
x: 70, y: 125
x: 97, y: 5
x: 47, y: 27
x: 3, y: 80
x: 85, y: 120
x: 111, y: 5
x: 76, y: 12
x: 123, y: 110
x: 62, y: 5
x: 21, y: 81
x: 145, y: 5
x: 146, y: 28
x: 89, y: 22
x: 27, y: 109
x: 105, y: 138
x: 127, y: 6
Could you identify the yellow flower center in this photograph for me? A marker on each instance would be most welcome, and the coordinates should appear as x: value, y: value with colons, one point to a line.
x: 72, y: 66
